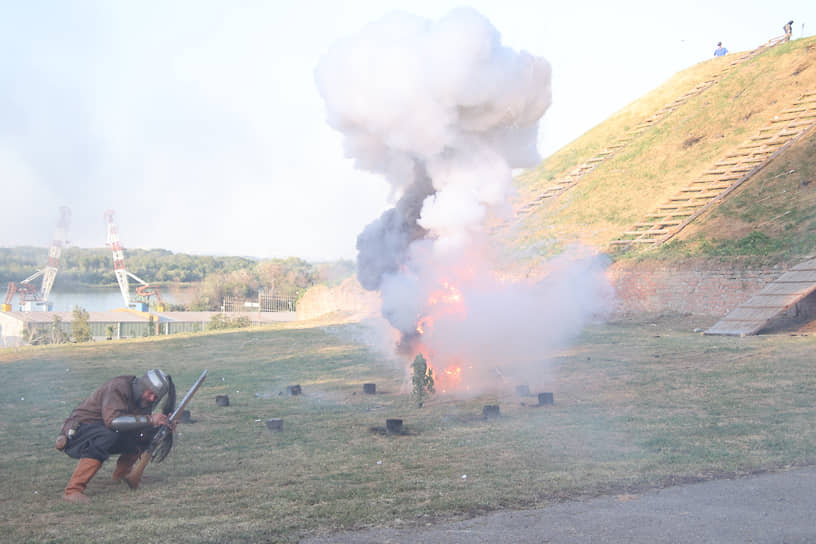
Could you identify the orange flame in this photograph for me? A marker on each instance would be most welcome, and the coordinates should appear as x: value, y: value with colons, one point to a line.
x: 447, y: 300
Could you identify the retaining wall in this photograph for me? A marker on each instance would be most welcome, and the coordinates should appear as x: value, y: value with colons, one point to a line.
x: 697, y: 288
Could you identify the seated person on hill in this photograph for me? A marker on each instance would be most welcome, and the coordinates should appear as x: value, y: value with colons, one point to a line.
x: 720, y: 51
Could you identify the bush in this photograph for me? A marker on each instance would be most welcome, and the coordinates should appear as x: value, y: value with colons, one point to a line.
x: 221, y: 321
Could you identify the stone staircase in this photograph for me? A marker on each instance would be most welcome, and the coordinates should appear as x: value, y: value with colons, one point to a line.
x: 725, y: 176
x: 777, y: 297
x: 569, y: 180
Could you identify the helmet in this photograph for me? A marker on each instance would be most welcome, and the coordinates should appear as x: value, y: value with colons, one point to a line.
x: 155, y: 380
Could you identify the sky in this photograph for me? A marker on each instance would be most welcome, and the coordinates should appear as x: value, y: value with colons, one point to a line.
x: 201, y: 125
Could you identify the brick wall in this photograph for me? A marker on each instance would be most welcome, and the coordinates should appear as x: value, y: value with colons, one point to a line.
x: 697, y: 288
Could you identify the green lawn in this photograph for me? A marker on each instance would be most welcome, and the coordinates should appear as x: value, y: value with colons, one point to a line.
x: 637, y: 405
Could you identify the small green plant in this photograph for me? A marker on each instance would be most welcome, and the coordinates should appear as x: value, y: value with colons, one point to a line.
x: 423, y: 380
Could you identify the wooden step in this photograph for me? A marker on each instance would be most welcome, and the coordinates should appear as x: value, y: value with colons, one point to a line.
x: 714, y: 186
x: 651, y: 231
x: 679, y: 207
x: 669, y: 223
x: 669, y: 215
x: 701, y: 196
x: 802, y: 123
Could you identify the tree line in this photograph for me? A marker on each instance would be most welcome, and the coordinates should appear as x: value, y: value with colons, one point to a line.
x: 213, y: 277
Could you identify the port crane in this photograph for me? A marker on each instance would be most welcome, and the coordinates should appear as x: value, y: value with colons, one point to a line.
x: 30, y: 298
x: 144, y: 291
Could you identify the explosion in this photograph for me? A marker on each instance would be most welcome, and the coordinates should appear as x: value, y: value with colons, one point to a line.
x: 445, y: 112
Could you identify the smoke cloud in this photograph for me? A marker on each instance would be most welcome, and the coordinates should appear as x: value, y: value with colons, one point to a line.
x: 445, y: 112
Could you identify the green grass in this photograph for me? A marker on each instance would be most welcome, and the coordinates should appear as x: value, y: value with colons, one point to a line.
x: 638, y: 405
x: 663, y: 159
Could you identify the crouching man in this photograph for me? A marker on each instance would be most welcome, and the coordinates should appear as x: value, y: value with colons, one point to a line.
x: 117, y: 418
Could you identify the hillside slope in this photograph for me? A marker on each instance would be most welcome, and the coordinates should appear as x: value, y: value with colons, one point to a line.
x: 771, y: 217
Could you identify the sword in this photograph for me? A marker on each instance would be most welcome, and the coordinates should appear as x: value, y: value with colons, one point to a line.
x: 180, y: 408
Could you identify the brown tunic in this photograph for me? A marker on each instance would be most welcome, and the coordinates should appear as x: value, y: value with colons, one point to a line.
x: 113, y: 399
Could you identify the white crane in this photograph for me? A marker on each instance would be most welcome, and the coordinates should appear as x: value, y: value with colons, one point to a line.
x: 28, y: 295
x: 144, y: 291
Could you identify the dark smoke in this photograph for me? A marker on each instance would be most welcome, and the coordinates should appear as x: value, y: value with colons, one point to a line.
x: 383, y: 245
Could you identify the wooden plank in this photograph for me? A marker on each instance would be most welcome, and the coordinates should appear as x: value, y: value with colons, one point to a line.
x: 669, y: 215
x: 783, y: 119
x: 650, y: 231
x: 635, y: 241
x: 712, y: 186
x: 669, y: 223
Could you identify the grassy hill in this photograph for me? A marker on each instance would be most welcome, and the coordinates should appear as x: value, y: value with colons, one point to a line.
x: 770, y: 218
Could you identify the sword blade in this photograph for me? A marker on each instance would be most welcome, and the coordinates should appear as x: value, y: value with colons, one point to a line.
x: 187, y: 397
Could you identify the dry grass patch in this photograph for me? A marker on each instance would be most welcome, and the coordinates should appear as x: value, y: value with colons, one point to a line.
x: 666, y: 157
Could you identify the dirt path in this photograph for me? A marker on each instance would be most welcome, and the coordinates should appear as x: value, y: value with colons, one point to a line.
x: 770, y: 508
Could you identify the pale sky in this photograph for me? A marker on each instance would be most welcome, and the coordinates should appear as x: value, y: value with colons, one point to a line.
x: 200, y: 123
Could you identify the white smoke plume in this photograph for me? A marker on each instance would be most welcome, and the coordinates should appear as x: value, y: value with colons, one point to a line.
x: 447, y: 101
x: 445, y: 112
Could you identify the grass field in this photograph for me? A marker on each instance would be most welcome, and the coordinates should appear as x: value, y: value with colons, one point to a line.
x: 638, y: 404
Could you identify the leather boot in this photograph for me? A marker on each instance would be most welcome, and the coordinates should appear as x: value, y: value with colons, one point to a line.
x: 85, y: 470
x: 124, y: 464
x: 133, y: 477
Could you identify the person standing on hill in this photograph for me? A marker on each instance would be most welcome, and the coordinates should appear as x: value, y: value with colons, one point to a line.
x: 720, y: 51
x: 117, y: 418
x: 788, y: 28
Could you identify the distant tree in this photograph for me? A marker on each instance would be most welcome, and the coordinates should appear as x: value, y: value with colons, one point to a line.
x: 109, y: 332
x: 333, y: 273
x: 55, y: 332
x: 80, y: 325
x: 32, y: 336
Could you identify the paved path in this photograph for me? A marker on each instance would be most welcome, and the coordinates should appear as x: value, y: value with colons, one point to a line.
x: 777, y: 508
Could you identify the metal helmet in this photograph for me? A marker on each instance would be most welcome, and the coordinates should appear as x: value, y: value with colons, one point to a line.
x: 157, y: 381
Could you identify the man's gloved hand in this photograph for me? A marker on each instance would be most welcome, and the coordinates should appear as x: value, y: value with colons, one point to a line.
x: 162, y: 419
